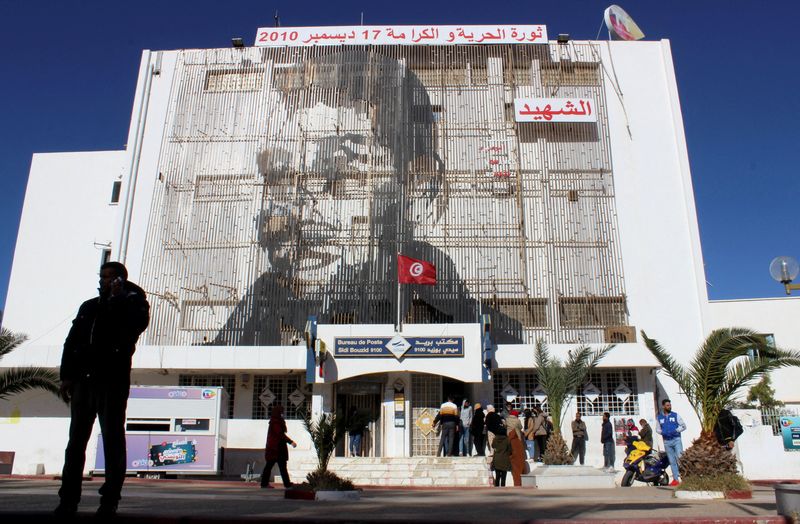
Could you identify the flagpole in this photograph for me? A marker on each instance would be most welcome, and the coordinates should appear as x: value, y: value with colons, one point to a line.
x: 397, y: 261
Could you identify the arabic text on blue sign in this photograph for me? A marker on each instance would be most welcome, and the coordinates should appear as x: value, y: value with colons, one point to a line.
x: 421, y: 347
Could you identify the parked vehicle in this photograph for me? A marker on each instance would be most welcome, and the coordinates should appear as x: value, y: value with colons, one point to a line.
x: 644, y: 464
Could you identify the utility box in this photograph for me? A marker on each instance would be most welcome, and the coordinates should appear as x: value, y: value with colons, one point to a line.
x: 173, y: 429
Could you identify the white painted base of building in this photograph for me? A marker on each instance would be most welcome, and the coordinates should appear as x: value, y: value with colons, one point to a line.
x: 568, y: 477
x: 699, y: 495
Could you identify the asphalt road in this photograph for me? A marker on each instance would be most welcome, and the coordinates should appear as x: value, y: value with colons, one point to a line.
x: 26, y: 499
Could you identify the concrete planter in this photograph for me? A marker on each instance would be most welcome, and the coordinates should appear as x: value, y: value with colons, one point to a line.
x: 787, y: 497
x: 568, y: 477
x: 303, y: 494
x: 699, y: 495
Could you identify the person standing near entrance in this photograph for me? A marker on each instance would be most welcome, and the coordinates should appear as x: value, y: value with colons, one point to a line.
x: 465, y: 448
x: 578, y: 439
x: 448, y: 418
x: 527, y: 432
x: 607, y: 439
x: 355, y: 431
x: 646, y: 433
x: 477, y: 430
x: 670, y: 425
x: 514, y: 431
x: 277, y: 451
x: 95, y: 380
x: 501, y: 454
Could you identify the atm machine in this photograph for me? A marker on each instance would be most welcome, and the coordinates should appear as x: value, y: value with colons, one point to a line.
x: 174, y: 430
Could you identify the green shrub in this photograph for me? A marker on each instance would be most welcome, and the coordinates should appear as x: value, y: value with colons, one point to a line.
x: 722, y: 482
x: 324, y: 480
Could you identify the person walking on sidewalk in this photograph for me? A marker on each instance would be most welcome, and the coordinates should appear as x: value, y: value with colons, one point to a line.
x: 578, y: 449
x: 607, y: 439
x: 95, y: 381
x: 670, y: 425
x: 478, y: 430
x: 277, y: 451
x: 465, y: 447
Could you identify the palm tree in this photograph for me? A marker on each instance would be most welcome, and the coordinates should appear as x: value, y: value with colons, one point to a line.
x: 728, y: 360
x: 326, y: 432
x: 560, y: 381
x: 17, y: 380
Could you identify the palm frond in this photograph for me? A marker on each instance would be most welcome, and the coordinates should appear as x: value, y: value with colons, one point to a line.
x: 9, y: 341
x: 17, y: 380
x: 671, y: 366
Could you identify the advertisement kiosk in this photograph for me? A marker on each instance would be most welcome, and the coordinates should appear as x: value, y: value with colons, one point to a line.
x: 173, y: 430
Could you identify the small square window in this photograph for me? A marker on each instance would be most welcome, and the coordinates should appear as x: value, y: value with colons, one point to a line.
x: 115, y: 191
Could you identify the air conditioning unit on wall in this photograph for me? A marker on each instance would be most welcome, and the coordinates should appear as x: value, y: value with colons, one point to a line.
x: 620, y: 334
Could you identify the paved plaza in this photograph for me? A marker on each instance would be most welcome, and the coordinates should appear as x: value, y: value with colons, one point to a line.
x: 29, y: 500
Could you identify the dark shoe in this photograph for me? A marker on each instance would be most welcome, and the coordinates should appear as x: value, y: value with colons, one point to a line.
x: 66, y: 510
x: 106, y: 510
x: 266, y: 486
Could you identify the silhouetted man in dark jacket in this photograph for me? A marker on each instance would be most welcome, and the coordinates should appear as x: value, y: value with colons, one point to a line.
x: 95, y: 379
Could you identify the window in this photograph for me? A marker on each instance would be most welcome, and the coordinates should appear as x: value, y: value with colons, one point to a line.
x: 115, y: 191
x: 529, y: 312
x: 225, y: 381
x: 524, y: 383
x: 288, y: 391
x: 564, y: 73
x: 769, y: 339
x: 617, y: 393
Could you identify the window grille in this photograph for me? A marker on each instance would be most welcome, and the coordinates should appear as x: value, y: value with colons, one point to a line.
x: 593, y: 311
x: 578, y: 74
x: 607, y: 381
x: 282, y: 387
x: 225, y: 381
x: 530, y: 312
x: 234, y: 80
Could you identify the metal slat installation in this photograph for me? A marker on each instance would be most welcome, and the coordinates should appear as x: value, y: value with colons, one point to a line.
x: 290, y: 177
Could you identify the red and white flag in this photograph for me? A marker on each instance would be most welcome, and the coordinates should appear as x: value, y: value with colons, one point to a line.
x: 413, y: 271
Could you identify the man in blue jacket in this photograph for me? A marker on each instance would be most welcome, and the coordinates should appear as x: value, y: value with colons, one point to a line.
x: 670, y: 425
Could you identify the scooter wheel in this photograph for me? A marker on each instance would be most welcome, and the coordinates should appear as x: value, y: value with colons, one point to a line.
x: 627, y: 479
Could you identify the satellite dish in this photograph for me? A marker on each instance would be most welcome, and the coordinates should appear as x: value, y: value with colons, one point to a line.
x: 620, y: 25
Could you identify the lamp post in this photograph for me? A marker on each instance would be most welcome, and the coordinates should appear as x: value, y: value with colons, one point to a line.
x: 784, y: 270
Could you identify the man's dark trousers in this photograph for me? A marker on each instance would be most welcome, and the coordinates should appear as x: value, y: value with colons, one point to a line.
x: 107, y: 402
x: 578, y: 449
x: 449, y: 438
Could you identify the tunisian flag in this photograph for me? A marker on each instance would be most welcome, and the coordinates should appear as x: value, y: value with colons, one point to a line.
x: 413, y: 271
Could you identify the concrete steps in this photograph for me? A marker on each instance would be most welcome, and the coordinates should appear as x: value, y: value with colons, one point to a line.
x: 412, y: 471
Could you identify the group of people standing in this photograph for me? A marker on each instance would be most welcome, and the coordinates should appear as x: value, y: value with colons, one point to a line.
x: 506, y: 438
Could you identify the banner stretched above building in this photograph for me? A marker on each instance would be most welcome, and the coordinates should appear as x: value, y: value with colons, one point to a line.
x: 401, y: 35
x: 554, y: 110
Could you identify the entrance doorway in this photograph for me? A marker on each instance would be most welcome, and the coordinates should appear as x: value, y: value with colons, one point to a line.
x: 428, y: 394
x: 364, y: 398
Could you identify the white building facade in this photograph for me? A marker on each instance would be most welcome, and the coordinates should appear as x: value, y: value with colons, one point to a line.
x: 268, y: 189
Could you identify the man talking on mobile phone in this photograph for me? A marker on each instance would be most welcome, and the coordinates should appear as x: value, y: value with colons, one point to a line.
x: 95, y: 379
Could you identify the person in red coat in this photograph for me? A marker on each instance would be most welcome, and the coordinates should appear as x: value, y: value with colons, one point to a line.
x: 277, y: 451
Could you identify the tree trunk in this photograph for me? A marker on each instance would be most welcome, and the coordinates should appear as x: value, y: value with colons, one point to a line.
x: 556, y: 452
x: 706, y: 458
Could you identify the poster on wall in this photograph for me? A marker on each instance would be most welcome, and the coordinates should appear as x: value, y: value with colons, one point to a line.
x: 166, y: 453
x: 790, y: 430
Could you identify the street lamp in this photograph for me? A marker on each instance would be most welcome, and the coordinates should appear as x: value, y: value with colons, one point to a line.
x: 784, y: 270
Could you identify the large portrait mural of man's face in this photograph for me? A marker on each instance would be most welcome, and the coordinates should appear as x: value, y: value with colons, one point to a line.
x: 290, y: 180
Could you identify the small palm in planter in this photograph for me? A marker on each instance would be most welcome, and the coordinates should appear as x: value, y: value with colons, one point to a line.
x: 560, y: 380
x: 728, y: 360
x: 326, y: 432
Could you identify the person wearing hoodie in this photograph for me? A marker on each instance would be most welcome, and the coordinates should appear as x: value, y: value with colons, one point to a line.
x: 95, y: 379
x: 501, y: 457
x: 539, y: 433
x: 477, y: 429
x: 494, y: 426
x: 465, y: 441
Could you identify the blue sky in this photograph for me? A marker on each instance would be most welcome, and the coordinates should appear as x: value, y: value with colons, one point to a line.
x: 69, y: 72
